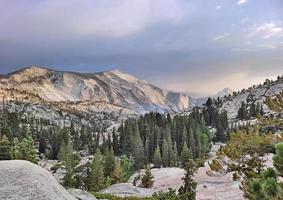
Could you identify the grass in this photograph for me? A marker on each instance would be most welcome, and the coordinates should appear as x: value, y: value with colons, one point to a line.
x: 112, y: 197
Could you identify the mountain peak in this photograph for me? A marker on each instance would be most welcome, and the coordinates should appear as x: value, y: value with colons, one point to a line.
x: 224, y: 92
x: 30, y: 69
x: 123, y: 75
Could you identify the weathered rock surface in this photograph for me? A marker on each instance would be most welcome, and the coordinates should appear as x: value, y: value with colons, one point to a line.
x: 22, y: 180
x: 81, y: 195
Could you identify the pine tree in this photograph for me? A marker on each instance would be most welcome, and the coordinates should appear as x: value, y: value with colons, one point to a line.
x: 96, y: 178
x: 184, y: 136
x: 188, y: 190
x: 278, y: 158
x: 186, y: 154
x: 83, y: 138
x: 117, y: 175
x: 147, y: 179
x: 165, y: 153
x: 109, y: 161
x: 170, y: 152
x: 138, y: 149
x: 157, y: 157
x: 174, y: 156
x: 66, y: 154
x: 5, y: 148
x: 115, y: 141
x: 192, y: 142
x: 24, y: 150
x: 198, y: 142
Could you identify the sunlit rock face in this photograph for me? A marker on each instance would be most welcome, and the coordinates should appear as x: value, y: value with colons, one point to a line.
x: 113, y: 87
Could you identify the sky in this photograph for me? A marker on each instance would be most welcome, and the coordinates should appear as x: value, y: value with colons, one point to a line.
x: 193, y: 46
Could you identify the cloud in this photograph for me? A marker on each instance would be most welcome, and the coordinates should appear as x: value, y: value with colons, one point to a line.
x: 244, y: 20
x: 218, y: 7
x: 266, y: 31
x: 111, y: 18
x: 241, y: 2
x: 220, y: 37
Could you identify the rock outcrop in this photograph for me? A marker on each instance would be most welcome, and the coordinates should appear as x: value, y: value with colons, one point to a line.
x: 23, y: 180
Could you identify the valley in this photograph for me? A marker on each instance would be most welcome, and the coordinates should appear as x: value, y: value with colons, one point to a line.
x: 100, y: 132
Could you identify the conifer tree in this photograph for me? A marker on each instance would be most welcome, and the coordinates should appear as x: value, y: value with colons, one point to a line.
x: 170, y: 153
x: 117, y: 175
x: 109, y: 161
x: 278, y: 158
x: 174, y: 156
x: 24, y: 150
x: 192, y: 142
x: 96, y: 178
x: 188, y: 190
x: 184, y: 136
x: 138, y: 149
x: 115, y: 141
x: 5, y: 148
x: 157, y: 157
x: 147, y: 179
x: 165, y: 153
x: 186, y: 154
x: 66, y: 155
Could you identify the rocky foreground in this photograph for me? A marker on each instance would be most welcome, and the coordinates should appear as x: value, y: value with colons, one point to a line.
x: 215, y: 187
x: 22, y: 180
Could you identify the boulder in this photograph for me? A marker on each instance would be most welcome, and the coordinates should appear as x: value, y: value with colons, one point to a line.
x: 23, y: 180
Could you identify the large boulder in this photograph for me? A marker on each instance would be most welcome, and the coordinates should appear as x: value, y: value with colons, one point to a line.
x: 23, y: 180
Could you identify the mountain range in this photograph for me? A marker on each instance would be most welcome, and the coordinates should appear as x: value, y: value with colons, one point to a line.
x: 112, y: 87
x: 106, y: 98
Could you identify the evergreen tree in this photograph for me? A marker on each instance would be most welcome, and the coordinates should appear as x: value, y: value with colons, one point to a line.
x: 192, y: 142
x: 184, y: 138
x: 147, y: 179
x: 5, y: 148
x: 109, y: 161
x: 186, y: 154
x: 278, y: 158
x: 115, y: 141
x: 117, y: 175
x: 24, y: 150
x: 157, y: 157
x: 165, y: 153
x: 174, y: 156
x: 96, y: 178
x: 83, y: 138
x: 188, y: 190
x: 66, y: 155
x: 138, y: 149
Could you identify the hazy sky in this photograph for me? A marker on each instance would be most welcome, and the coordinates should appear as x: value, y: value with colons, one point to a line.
x: 196, y: 46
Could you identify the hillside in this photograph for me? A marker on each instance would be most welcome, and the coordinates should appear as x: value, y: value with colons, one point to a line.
x: 253, y: 95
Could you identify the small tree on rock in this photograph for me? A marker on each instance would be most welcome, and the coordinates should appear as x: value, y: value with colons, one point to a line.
x: 147, y: 178
x: 188, y: 190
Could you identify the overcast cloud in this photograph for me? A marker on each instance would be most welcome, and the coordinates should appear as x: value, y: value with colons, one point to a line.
x: 195, y: 46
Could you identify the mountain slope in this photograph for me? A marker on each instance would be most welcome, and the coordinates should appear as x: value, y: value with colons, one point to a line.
x: 113, y: 87
x: 255, y: 94
x: 225, y: 92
